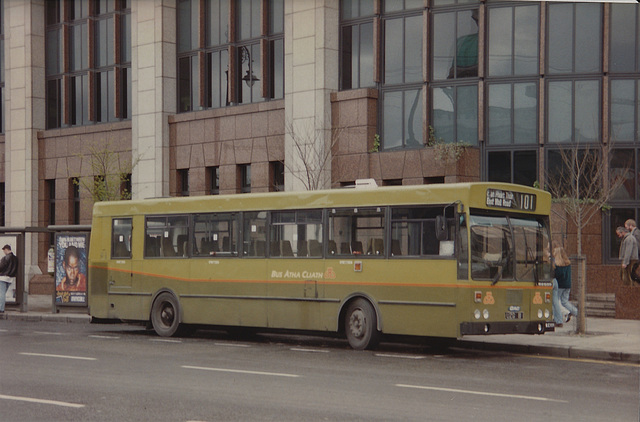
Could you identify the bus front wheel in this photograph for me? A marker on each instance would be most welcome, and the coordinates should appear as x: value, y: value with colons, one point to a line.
x: 360, y: 325
x: 165, y: 317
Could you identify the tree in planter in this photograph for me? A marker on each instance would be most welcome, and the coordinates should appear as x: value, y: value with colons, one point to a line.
x: 111, y: 176
x: 310, y: 154
x: 582, y: 184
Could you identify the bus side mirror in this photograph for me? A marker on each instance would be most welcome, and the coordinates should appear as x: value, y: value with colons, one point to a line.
x: 441, y: 228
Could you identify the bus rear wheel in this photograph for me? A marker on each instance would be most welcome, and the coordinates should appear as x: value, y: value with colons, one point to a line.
x: 360, y: 325
x: 165, y: 316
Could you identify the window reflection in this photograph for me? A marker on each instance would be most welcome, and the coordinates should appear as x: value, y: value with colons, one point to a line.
x: 455, y: 44
x: 622, y: 165
x: 575, y: 37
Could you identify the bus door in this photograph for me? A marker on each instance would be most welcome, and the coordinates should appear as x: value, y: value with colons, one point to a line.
x: 295, y: 269
x: 119, y: 275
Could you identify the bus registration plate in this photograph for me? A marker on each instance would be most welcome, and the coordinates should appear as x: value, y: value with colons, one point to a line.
x: 513, y: 315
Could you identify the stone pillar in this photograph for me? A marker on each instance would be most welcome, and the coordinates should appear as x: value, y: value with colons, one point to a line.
x: 24, y: 106
x: 153, y: 90
x: 311, y: 74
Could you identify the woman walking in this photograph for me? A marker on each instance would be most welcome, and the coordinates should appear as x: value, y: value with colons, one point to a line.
x: 563, y: 275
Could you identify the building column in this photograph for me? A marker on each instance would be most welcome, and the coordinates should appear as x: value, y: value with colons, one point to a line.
x: 24, y: 107
x: 311, y: 74
x: 153, y: 91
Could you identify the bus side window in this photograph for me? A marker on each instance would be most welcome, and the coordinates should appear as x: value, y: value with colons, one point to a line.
x: 355, y: 228
x: 296, y: 233
x: 163, y: 234
x: 121, y: 238
x: 255, y: 234
x: 413, y: 232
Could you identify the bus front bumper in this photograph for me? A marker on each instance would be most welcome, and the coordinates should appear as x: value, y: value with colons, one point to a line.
x: 509, y: 327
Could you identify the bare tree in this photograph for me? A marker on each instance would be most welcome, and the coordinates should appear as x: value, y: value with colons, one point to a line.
x: 111, y: 173
x: 310, y: 153
x: 582, y: 183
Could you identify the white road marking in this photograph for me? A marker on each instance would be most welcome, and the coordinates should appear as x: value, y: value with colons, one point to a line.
x: 41, y: 401
x: 480, y: 393
x: 231, y: 345
x: 384, y: 355
x: 104, y: 337
x: 240, y: 371
x: 298, y: 349
x: 163, y: 340
x: 48, y: 333
x: 45, y: 355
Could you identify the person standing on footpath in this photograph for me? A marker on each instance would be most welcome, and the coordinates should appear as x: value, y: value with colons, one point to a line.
x: 628, y: 254
x: 8, y: 272
x: 563, y: 275
x: 633, y: 229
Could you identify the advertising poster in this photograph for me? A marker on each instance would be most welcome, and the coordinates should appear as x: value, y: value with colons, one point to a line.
x: 71, y: 268
x: 13, y: 242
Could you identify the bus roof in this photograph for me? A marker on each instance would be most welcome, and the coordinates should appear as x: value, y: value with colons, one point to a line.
x: 471, y: 195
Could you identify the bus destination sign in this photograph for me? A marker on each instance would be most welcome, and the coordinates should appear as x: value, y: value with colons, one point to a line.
x: 509, y: 199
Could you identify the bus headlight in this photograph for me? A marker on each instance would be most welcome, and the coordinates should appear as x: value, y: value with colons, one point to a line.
x: 485, y: 314
x: 539, y: 313
x: 477, y: 314
x: 547, y: 314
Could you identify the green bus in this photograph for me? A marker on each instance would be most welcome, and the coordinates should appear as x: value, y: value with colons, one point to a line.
x: 441, y: 261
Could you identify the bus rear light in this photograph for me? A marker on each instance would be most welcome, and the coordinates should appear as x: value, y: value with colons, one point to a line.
x: 547, y: 297
x: 478, y: 297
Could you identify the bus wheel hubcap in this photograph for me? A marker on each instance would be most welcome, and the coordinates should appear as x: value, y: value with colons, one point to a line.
x: 167, y: 315
x: 356, y: 323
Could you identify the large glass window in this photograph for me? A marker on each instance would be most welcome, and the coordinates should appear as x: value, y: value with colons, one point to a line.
x: 222, y: 85
x: 517, y: 166
x: 402, y: 121
x: 276, y: 49
x: 623, y: 164
x: 356, y: 44
x: 217, y: 53
x: 513, y: 40
x: 625, y: 45
x: 403, y: 50
x: 513, y: 113
x: 455, y: 44
x: 574, y: 38
x: 573, y: 111
x: 402, y: 93
x: 87, y: 90
x: 624, y: 111
x: 455, y: 113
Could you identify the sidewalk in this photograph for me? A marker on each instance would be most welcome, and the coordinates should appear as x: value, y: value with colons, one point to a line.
x: 606, y: 339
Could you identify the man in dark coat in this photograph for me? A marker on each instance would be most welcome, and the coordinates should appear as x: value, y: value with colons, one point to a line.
x: 8, y: 272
